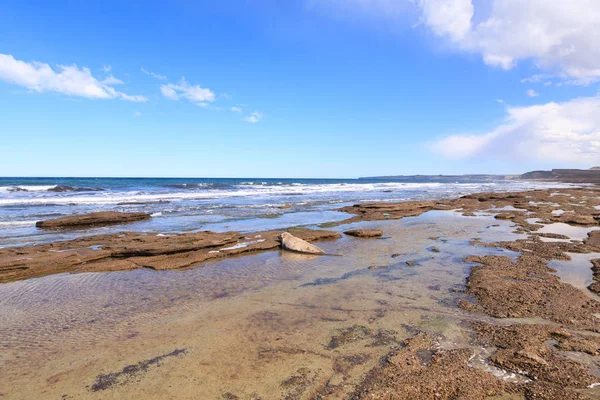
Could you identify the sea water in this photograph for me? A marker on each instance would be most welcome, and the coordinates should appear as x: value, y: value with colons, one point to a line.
x: 218, y: 204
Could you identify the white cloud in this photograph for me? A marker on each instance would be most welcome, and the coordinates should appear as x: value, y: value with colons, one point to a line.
x: 448, y: 17
x: 137, y: 114
x: 236, y: 109
x: 168, y: 92
x: 183, y: 90
x: 566, y: 132
x: 561, y: 37
x: 254, y: 117
x: 69, y: 80
x: 532, y: 93
x: 106, y: 68
x: 155, y: 76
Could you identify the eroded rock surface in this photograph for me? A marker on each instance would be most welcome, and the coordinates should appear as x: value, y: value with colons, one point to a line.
x: 93, y: 219
x: 420, y: 371
x: 526, y: 287
x: 364, y: 233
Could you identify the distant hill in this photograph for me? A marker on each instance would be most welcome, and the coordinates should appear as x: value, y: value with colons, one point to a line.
x: 591, y: 175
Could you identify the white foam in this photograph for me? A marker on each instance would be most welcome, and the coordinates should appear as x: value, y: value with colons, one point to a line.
x: 433, y: 189
x: 28, y: 188
x: 242, y: 245
x: 17, y: 223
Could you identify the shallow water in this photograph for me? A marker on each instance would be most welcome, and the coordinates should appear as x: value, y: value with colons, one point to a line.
x: 577, y: 271
x: 574, y: 232
x: 271, y: 325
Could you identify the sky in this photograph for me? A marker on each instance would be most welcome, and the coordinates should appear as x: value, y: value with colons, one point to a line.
x: 298, y: 88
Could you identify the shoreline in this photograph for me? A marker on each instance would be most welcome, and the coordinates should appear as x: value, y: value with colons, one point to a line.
x: 131, y: 250
x: 511, y: 303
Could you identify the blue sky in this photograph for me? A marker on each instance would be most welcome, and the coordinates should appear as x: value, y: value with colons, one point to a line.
x: 303, y: 88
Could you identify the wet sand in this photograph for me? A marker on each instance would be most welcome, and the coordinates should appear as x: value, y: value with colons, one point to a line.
x: 392, y: 317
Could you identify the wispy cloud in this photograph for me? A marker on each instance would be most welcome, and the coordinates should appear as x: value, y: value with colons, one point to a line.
x: 69, y: 80
x: 566, y: 132
x: 137, y: 114
x: 154, y: 75
x: 111, y: 80
x: 106, y: 68
x: 532, y: 93
x: 254, y: 118
x: 193, y: 93
x: 236, y: 109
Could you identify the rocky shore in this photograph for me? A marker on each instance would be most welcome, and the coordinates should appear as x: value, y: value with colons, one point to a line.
x: 503, y: 287
x: 538, y: 328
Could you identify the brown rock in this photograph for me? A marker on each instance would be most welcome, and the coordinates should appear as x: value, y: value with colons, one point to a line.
x: 364, y: 233
x: 92, y: 219
x: 126, y: 251
x: 420, y: 371
x: 526, y: 288
x: 593, y: 238
x: 575, y: 219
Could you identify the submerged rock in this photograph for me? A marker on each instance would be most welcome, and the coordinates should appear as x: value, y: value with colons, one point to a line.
x: 292, y: 243
x: 92, y: 219
x: 364, y: 233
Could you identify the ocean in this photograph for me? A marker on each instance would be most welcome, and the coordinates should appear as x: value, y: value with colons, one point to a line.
x: 217, y: 204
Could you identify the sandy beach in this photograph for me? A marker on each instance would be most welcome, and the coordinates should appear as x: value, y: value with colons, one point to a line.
x: 483, y: 296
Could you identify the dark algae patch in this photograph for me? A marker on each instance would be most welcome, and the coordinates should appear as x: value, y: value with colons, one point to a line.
x: 296, y: 385
x: 106, y: 381
x: 356, y: 333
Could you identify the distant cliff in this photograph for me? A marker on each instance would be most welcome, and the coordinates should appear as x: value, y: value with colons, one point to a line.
x: 566, y: 175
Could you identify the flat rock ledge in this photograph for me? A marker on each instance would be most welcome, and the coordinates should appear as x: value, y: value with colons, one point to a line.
x: 130, y: 250
x: 364, y: 233
x: 92, y: 219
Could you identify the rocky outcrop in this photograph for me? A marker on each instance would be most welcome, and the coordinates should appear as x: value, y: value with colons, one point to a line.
x: 364, y: 233
x: 382, y: 211
x: 291, y: 243
x: 92, y: 219
x: 129, y: 250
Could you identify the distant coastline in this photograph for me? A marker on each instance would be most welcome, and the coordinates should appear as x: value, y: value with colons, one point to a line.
x: 445, y: 178
x: 591, y: 175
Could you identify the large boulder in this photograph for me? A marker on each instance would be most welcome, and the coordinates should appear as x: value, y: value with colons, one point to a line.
x: 292, y: 243
x: 92, y: 219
